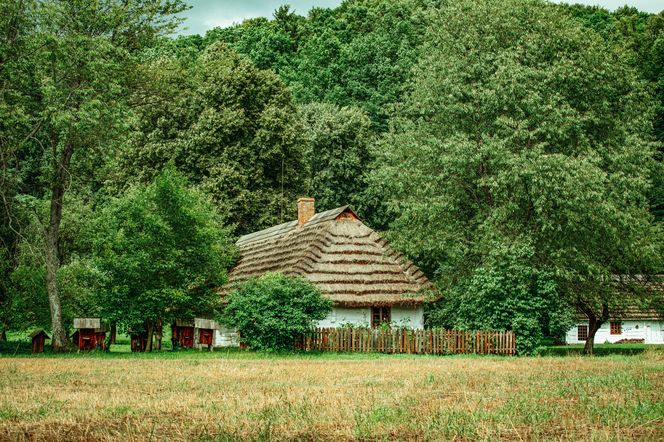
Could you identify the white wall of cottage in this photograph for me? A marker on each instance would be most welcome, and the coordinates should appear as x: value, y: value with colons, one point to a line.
x: 412, y: 317
x: 650, y: 331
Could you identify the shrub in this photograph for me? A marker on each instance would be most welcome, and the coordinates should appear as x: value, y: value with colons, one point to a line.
x: 270, y: 311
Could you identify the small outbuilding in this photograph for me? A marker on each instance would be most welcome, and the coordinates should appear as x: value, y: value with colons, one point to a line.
x: 90, y: 334
x: 39, y: 338
x: 139, y: 341
x: 198, y: 333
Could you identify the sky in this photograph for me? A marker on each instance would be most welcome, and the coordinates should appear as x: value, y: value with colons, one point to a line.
x: 208, y: 14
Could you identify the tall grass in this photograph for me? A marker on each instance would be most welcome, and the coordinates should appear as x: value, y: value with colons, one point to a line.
x: 244, y: 396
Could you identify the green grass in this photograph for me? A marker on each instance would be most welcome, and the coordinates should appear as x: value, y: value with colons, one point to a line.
x: 600, y: 349
x: 19, y: 345
x: 244, y: 395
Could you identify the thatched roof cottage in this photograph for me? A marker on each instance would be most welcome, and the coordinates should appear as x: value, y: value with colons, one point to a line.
x: 352, y: 265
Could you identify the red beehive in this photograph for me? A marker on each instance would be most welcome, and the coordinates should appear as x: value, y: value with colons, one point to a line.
x: 39, y: 337
x: 197, y: 333
x: 90, y: 334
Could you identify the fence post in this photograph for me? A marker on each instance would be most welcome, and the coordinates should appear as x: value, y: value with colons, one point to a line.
x: 429, y: 341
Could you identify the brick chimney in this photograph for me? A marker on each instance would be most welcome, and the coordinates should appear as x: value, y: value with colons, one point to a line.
x: 305, y: 210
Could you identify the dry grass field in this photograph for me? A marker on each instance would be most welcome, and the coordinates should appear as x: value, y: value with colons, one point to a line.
x: 331, y: 397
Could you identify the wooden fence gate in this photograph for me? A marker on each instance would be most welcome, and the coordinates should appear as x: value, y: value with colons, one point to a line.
x: 408, y: 341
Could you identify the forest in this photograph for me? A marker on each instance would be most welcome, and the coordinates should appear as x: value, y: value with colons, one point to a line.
x: 512, y: 149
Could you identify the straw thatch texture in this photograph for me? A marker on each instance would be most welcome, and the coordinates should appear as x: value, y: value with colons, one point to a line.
x: 633, y: 309
x: 348, y: 262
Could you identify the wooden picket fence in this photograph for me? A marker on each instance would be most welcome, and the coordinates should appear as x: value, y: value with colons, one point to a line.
x: 408, y: 341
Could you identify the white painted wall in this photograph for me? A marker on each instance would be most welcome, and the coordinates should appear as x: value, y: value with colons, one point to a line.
x: 226, y: 337
x: 412, y: 317
x: 651, y: 331
x: 340, y: 316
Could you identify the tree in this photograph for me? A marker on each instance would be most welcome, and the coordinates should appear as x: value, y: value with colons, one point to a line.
x: 163, y: 253
x: 641, y: 35
x: 337, y: 154
x: 520, y: 162
x: 231, y: 128
x: 78, y: 63
x: 272, y: 310
x: 358, y: 54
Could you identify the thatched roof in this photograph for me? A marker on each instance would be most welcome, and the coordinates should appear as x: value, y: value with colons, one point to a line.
x: 635, y: 313
x: 350, y: 263
x: 634, y: 306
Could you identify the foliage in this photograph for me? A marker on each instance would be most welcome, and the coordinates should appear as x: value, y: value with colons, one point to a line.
x: 337, y: 153
x: 162, y: 251
x: 506, y: 293
x: 524, y: 146
x: 641, y: 36
x: 70, y: 66
x: 359, y: 54
x: 271, y: 310
x: 229, y: 127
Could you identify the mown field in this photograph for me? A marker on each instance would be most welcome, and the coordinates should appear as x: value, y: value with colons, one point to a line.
x: 248, y: 396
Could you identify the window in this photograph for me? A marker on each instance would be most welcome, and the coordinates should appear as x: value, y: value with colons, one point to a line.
x: 380, y: 315
x: 582, y: 332
x: 616, y: 327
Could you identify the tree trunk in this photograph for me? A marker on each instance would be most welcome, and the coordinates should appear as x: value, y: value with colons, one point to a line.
x: 594, y: 324
x: 150, y: 330
x: 158, y: 333
x: 114, y: 332
x: 3, y: 335
x: 60, y: 180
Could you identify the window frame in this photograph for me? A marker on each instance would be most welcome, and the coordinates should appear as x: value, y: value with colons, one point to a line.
x: 615, y: 327
x: 579, y: 334
x: 384, y: 316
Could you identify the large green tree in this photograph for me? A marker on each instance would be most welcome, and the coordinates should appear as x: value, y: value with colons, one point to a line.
x: 337, y: 153
x: 230, y: 127
x: 77, y: 64
x: 163, y: 252
x: 520, y: 165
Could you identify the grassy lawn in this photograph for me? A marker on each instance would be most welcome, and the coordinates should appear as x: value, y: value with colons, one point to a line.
x: 231, y: 395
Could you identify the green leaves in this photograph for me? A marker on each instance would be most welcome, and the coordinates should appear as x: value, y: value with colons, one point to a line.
x: 229, y: 127
x: 337, y: 154
x: 164, y: 250
x: 271, y: 310
x: 519, y: 165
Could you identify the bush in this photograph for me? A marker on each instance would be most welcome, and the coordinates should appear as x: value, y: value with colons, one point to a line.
x: 270, y: 311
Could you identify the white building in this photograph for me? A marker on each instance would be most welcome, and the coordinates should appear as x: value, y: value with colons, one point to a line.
x: 635, y: 325
x: 368, y: 282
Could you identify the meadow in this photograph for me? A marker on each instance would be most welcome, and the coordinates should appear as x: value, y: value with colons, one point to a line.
x: 241, y: 395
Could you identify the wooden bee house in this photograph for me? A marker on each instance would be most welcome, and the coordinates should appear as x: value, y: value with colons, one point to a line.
x: 197, y: 333
x: 139, y: 341
x: 39, y: 338
x: 182, y: 333
x: 205, y: 329
x: 90, y: 334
